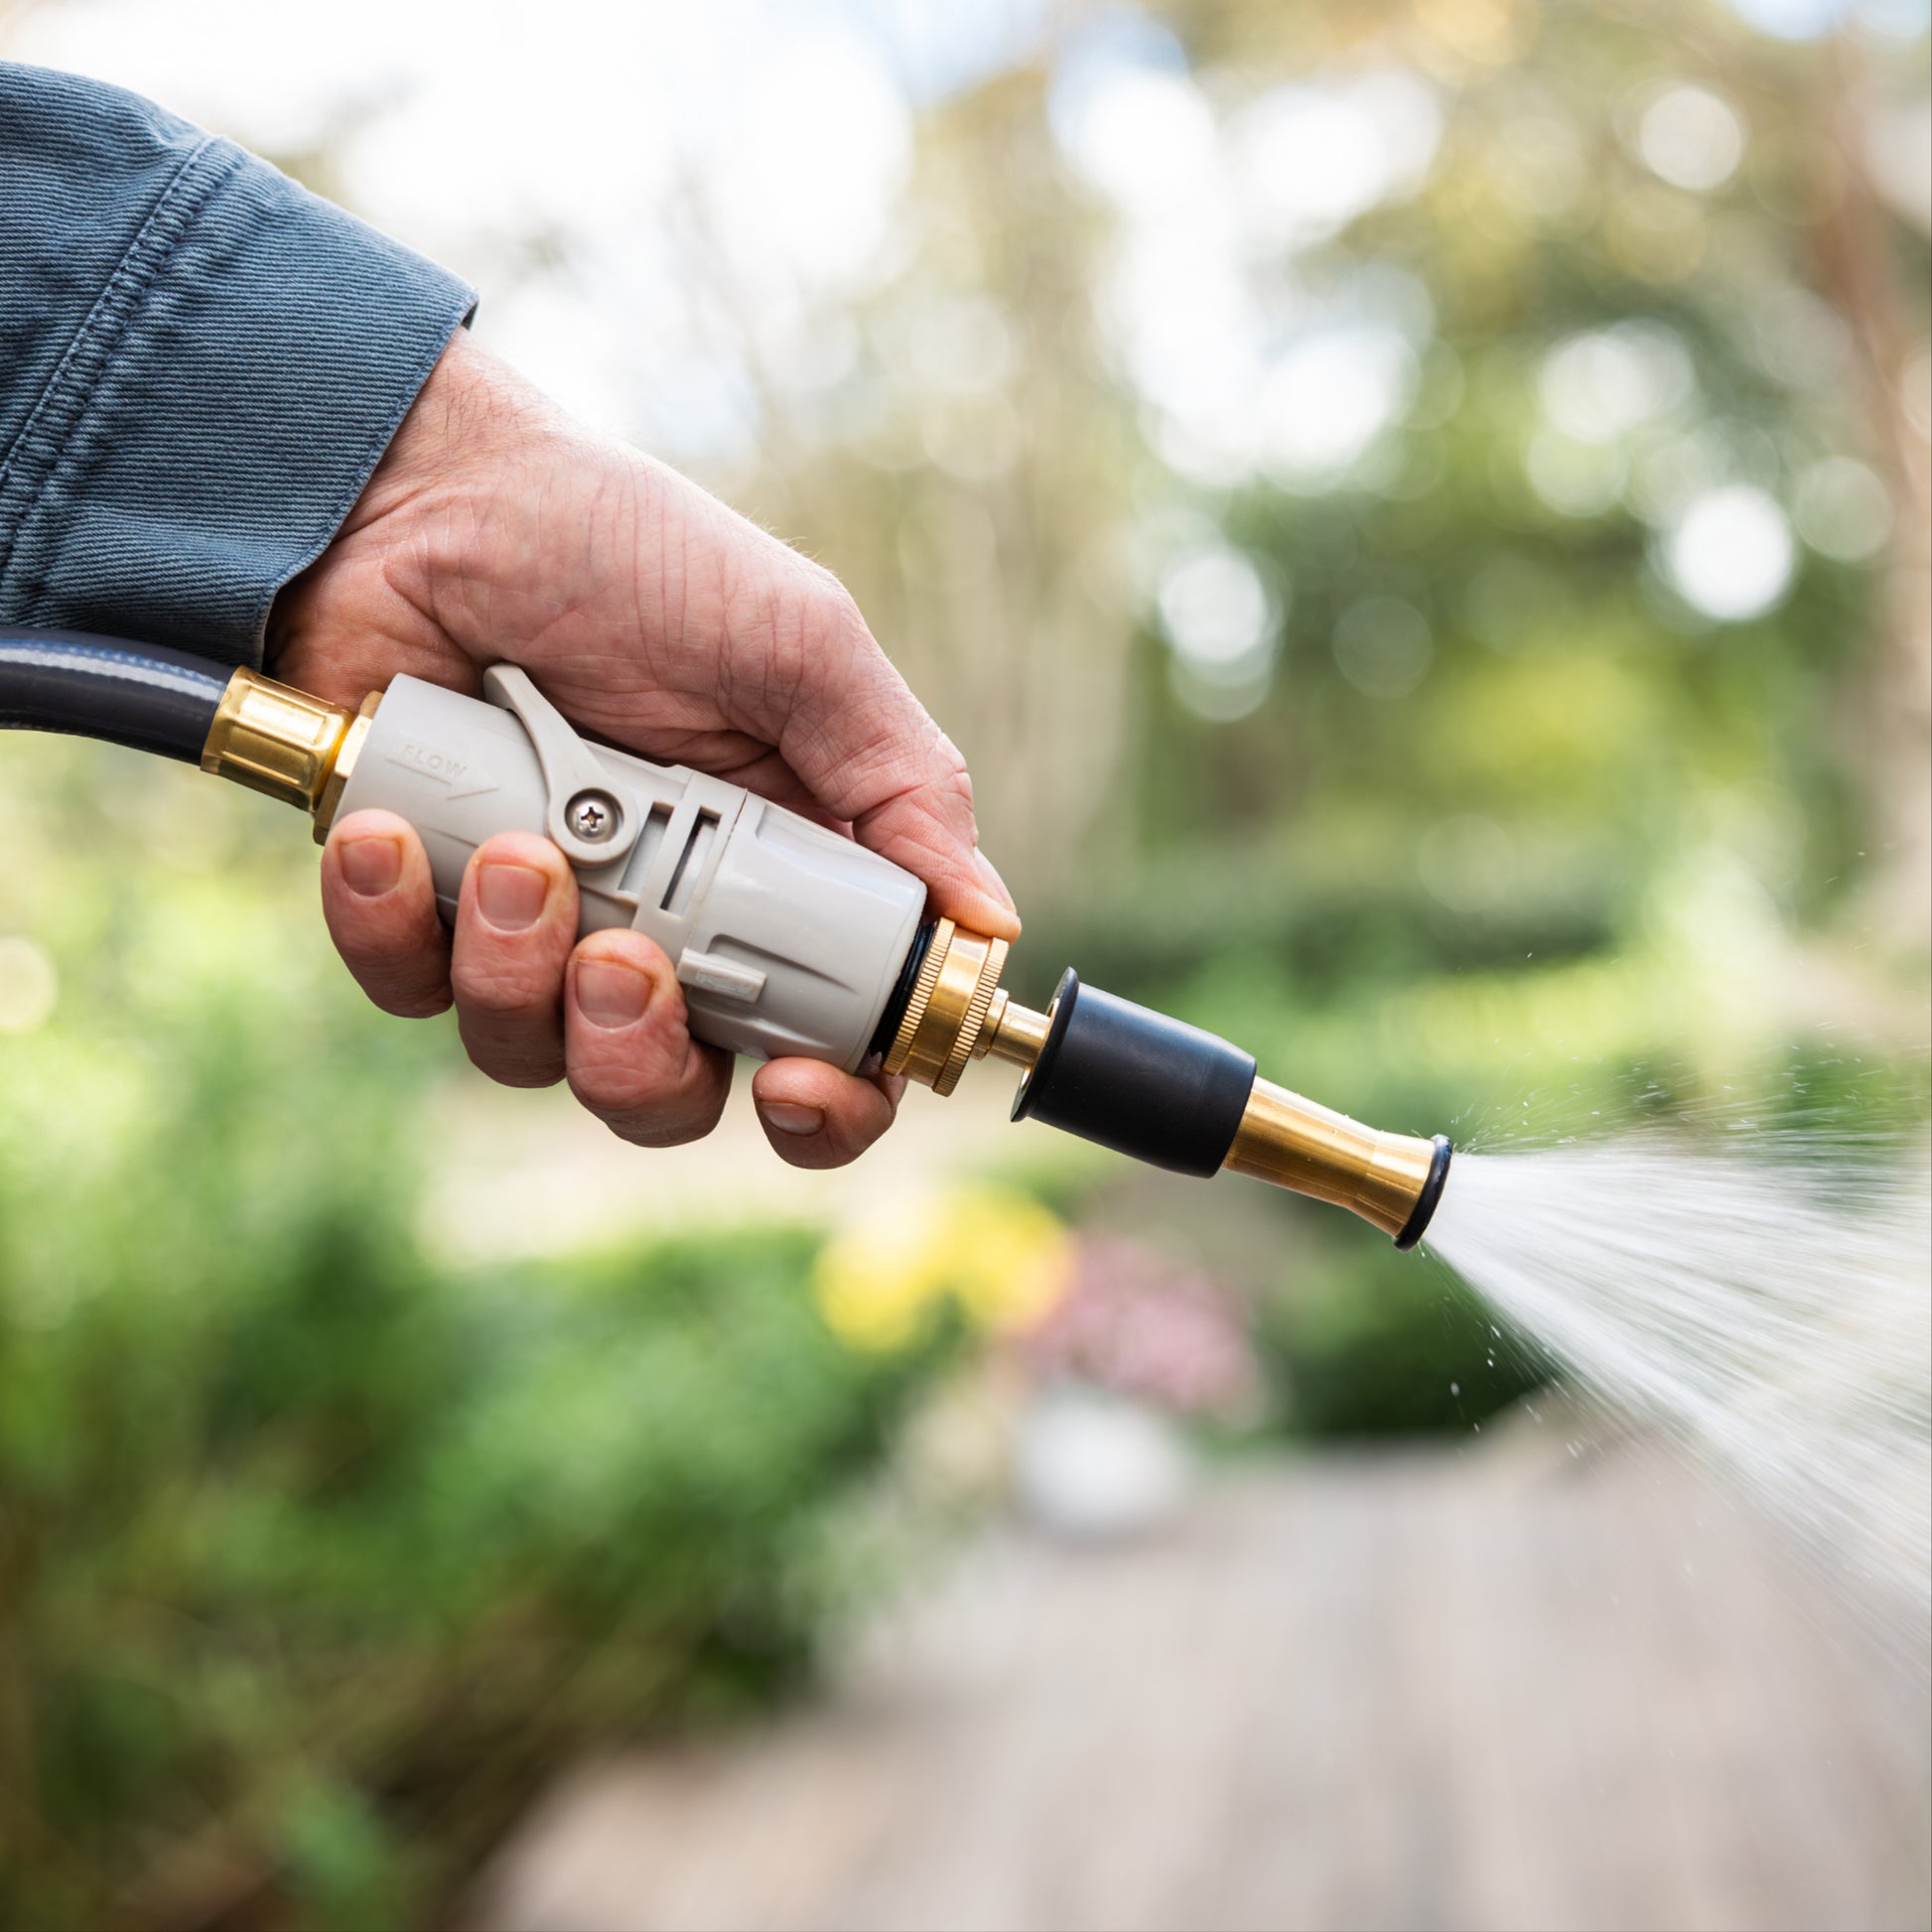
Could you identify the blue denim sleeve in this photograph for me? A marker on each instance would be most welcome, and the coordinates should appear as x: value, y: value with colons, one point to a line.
x: 200, y: 362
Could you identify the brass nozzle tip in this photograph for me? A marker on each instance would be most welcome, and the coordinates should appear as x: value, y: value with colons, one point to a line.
x: 1390, y: 1179
x: 277, y: 740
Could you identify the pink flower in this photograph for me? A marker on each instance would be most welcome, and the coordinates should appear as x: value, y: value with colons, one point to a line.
x: 1137, y: 1323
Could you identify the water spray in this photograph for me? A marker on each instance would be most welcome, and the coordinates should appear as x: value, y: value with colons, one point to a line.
x: 787, y: 938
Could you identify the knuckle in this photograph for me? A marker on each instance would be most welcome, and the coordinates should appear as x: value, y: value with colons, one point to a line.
x: 655, y: 1133
x: 640, y: 1106
x: 837, y: 610
x: 505, y: 991
x: 949, y: 770
x: 832, y: 624
x: 636, y: 1115
x: 611, y: 1090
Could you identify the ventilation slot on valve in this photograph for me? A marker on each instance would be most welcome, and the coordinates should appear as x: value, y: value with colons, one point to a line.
x: 690, y: 864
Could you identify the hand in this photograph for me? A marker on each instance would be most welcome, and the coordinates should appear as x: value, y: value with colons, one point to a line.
x: 657, y: 619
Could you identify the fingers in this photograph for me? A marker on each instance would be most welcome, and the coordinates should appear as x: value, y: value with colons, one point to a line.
x: 379, y: 904
x: 632, y: 1062
x: 608, y: 1011
x: 535, y: 1004
x: 815, y: 1116
x: 516, y: 923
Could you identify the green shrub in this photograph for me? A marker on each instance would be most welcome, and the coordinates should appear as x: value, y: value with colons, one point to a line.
x: 1372, y: 1342
x: 315, y: 1556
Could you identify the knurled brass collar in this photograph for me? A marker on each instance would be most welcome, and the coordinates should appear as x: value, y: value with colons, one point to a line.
x: 275, y: 739
x: 947, y: 1009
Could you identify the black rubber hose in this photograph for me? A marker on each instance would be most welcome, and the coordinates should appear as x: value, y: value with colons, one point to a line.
x: 139, y: 695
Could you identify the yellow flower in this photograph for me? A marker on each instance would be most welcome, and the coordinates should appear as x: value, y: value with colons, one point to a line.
x: 999, y: 1254
x: 1011, y: 1257
x: 875, y: 1281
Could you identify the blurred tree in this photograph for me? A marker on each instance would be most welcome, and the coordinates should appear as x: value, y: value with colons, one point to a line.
x: 969, y: 478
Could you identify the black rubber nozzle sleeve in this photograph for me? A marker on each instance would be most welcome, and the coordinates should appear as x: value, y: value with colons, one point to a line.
x: 1137, y: 1081
x: 149, y: 699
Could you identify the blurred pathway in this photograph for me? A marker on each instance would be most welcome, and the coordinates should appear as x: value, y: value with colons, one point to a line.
x: 1496, y: 1689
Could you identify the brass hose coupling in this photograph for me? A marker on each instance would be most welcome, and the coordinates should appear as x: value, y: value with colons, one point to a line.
x: 959, y: 1011
x: 279, y: 741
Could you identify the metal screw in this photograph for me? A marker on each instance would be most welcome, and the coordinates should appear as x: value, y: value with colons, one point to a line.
x: 592, y: 816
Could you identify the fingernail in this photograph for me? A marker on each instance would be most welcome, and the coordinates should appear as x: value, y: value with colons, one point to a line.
x: 610, y: 994
x: 790, y: 1120
x: 372, y: 867
x: 512, y: 898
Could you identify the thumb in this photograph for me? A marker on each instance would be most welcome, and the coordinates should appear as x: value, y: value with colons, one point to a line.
x: 864, y: 744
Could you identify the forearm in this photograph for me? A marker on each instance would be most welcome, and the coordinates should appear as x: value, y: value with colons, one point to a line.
x: 201, y: 364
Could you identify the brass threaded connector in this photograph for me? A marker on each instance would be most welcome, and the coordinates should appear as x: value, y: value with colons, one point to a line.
x: 276, y: 740
x: 1012, y: 1033
x: 281, y: 742
x: 947, y: 1012
x: 345, y: 765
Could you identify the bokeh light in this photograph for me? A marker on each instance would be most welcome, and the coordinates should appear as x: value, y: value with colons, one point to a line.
x: 1221, y: 624
x: 1383, y: 647
x: 29, y: 984
x: 1731, y: 555
x: 1692, y: 138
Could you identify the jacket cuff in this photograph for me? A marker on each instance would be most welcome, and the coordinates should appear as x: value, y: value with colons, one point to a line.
x: 219, y: 412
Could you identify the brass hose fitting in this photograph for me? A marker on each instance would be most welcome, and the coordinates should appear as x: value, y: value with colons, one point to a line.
x: 1012, y: 1033
x: 275, y: 740
x: 947, y: 1012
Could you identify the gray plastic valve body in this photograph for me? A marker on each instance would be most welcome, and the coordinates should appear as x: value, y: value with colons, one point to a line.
x: 787, y: 937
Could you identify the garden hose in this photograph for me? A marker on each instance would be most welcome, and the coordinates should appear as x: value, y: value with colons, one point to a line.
x: 787, y: 937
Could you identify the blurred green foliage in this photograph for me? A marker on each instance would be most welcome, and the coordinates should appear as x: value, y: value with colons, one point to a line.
x: 316, y: 1556
x: 1384, y: 1345
x: 1507, y: 837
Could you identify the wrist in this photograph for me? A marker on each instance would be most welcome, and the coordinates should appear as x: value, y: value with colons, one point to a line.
x: 467, y: 413
x: 403, y: 558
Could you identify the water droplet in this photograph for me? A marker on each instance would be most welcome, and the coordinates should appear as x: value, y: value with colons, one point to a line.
x: 1761, y: 1292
